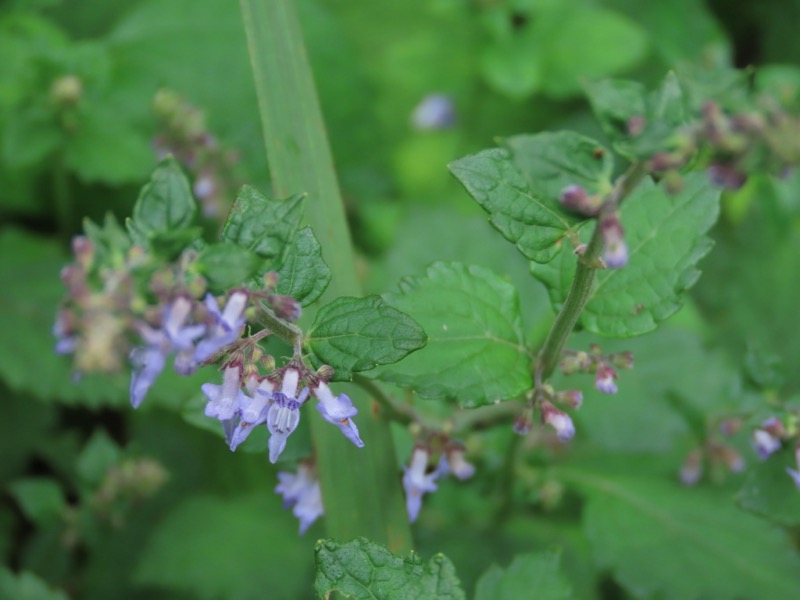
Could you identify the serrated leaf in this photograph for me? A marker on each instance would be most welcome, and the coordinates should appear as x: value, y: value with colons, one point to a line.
x: 304, y: 275
x: 666, y: 238
x: 111, y: 242
x: 528, y: 576
x: 226, y: 265
x: 165, y: 204
x: 361, y: 569
x: 506, y: 185
x: 357, y: 334
x: 41, y: 499
x: 769, y: 492
x: 476, y: 353
x: 661, y: 540
x: 262, y: 225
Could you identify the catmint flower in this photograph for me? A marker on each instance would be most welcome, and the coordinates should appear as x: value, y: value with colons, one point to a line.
x: 301, y: 492
x: 604, y: 380
x: 692, y: 468
x: 339, y: 411
x: 615, y: 251
x: 417, y: 482
x: 147, y: 363
x: 558, y: 420
x: 224, y: 400
x: 283, y: 414
x: 435, y: 111
x: 181, y: 336
x: 767, y: 438
x: 453, y: 461
x: 228, y: 323
x: 252, y: 411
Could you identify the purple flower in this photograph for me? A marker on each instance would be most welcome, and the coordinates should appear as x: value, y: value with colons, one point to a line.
x: 228, y: 324
x: 558, y: 420
x: 338, y: 410
x: 615, y: 251
x: 147, y: 362
x: 283, y: 414
x: 65, y: 339
x: 767, y: 438
x: 692, y: 468
x: 453, y: 461
x: 301, y: 492
x: 224, y: 400
x: 604, y: 380
x: 417, y: 482
x: 181, y: 336
x: 435, y: 111
x: 252, y: 411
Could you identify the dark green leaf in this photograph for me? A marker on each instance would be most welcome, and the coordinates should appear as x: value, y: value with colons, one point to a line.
x: 661, y: 540
x: 165, y: 204
x: 97, y: 456
x: 262, y: 225
x: 303, y: 275
x: 519, y: 188
x: 665, y: 237
x: 770, y: 492
x: 357, y: 334
x: 361, y: 569
x: 111, y: 242
x: 40, y: 498
x: 528, y: 576
x: 27, y: 586
x: 170, y: 243
x: 476, y: 353
x: 226, y: 265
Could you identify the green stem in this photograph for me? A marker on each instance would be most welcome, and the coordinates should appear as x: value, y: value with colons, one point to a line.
x: 361, y: 488
x: 581, y: 288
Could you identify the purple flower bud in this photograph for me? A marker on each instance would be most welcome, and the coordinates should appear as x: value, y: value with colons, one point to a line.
x: 224, y: 400
x: 604, y: 380
x: 523, y: 423
x: 62, y: 331
x: 417, y: 482
x: 767, y: 438
x: 570, y: 398
x: 559, y: 421
x: 435, y: 111
x: 285, y: 307
x: 284, y: 413
x: 622, y: 360
x: 692, y: 468
x: 453, y: 461
x: 636, y: 125
x: 301, y: 492
x: 615, y: 251
x: 576, y: 199
x: 339, y: 411
x: 726, y: 176
x: 147, y: 363
x: 228, y: 324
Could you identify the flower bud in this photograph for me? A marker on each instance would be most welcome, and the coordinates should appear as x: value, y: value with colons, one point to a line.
x: 615, y: 251
x: 268, y: 363
x: 558, y: 420
x: 271, y: 279
x: 570, y: 398
x: 622, y: 360
x: 325, y: 372
x: 765, y: 443
x: 285, y: 307
x: 435, y: 111
x: 726, y: 176
x: 731, y: 426
x: 457, y: 464
x: 692, y: 468
x: 66, y: 90
x: 636, y: 125
x: 604, y: 380
x: 576, y: 199
x: 523, y: 423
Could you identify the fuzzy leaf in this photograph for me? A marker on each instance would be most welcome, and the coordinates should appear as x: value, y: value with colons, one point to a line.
x: 357, y: 334
x: 361, y: 569
x: 666, y: 238
x: 519, y: 186
x: 528, y: 576
x: 304, y: 275
x: 262, y: 225
x: 476, y: 352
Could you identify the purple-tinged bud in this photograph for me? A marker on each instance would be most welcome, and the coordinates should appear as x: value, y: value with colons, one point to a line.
x: 570, y: 398
x: 580, y: 249
x: 774, y: 427
x: 268, y: 363
x: 83, y: 250
x: 271, y: 279
x: 666, y: 161
x: 285, y: 307
x: 325, y: 372
x: 673, y: 182
x: 435, y: 111
x: 204, y: 187
x: 604, y: 380
x: 765, y: 444
x: 731, y: 426
x: 726, y: 176
x: 622, y: 360
x: 455, y: 462
x: 728, y: 456
x: 636, y: 125
x: 575, y: 362
x: 576, y: 199
x: 523, y: 423
x: 692, y: 468
x: 558, y: 420
x: 615, y: 251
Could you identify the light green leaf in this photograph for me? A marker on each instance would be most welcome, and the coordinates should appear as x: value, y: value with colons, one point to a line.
x: 97, y: 456
x: 40, y: 498
x: 357, y: 334
x: 262, y: 225
x: 519, y: 186
x: 165, y: 204
x: 770, y: 492
x: 27, y: 586
x: 528, y: 576
x: 303, y: 275
x: 666, y: 238
x: 361, y: 569
x: 475, y: 352
x: 662, y: 540
x: 226, y: 265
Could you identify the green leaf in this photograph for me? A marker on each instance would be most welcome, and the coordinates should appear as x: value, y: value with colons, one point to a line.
x: 666, y: 238
x: 304, y: 275
x: 111, y: 242
x: 165, y: 203
x: 357, y: 334
x: 262, y: 225
x: 97, y: 456
x: 361, y: 569
x: 528, y: 576
x: 475, y: 352
x: 170, y: 243
x: 661, y: 540
x: 519, y: 186
x: 40, y: 498
x: 226, y: 265
x: 27, y: 586
x: 769, y: 491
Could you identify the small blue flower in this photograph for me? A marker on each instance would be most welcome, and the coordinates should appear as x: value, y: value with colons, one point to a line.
x: 283, y: 414
x: 416, y: 481
x: 559, y: 421
x: 301, y: 492
x: 339, y: 411
x: 435, y: 111
x: 252, y: 412
x: 65, y: 340
x: 148, y: 362
x: 224, y: 401
x: 228, y: 324
x: 453, y: 461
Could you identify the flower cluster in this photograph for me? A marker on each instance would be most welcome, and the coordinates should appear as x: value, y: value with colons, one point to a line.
x: 601, y: 365
x: 419, y: 478
x: 557, y: 419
